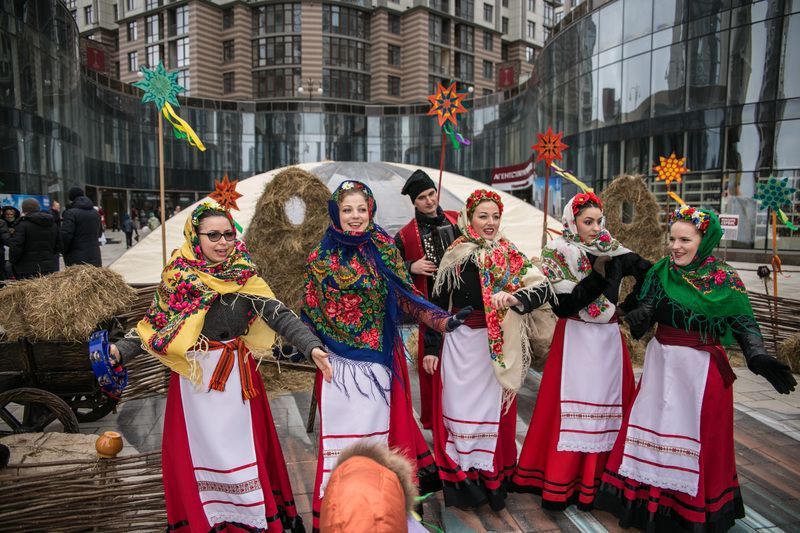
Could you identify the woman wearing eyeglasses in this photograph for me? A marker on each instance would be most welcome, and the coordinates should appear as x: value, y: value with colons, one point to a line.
x: 221, y: 458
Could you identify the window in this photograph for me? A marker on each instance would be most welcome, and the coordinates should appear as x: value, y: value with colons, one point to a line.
x: 504, y: 25
x: 488, y: 41
x: 465, y: 37
x: 532, y: 6
x: 88, y: 14
x: 488, y: 12
x: 343, y: 52
x: 276, y: 82
x: 545, y: 33
x: 503, y: 51
x: 465, y: 9
x: 346, y: 85
x: 345, y: 21
x: 488, y: 70
x: 133, y: 61
x: 181, y: 20
x: 394, y: 86
x: 183, y: 81
x: 439, y: 29
x: 72, y: 4
x: 131, y: 5
x: 227, y: 51
x: 505, y: 3
x: 152, y: 32
x: 116, y: 12
x: 436, y: 60
x: 153, y: 55
x: 394, y: 55
x: 277, y: 18
x: 227, y: 18
x: 228, y: 82
x: 549, y: 14
x: 487, y: 92
x: 74, y: 14
x: 282, y: 50
x: 465, y: 66
x: 394, y: 24
x: 440, y: 5
x: 182, y: 52
x: 152, y: 4
x: 531, y: 30
x: 133, y: 32
x: 530, y: 55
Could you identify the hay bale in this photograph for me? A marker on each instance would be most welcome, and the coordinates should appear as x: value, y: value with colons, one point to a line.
x: 64, y: 306
x: 280, y: 248
x: 281, y: 380
x: 644, y: 234
x: 789, y: 352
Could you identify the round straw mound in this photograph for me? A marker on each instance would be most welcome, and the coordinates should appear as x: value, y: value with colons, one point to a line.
x: 280, y: 248
x: 63, y: 306
x: 789, y: 352
x: 643, y: 234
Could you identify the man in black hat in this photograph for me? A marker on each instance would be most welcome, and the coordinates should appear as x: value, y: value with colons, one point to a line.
x: 422, y: 243
x: 80, y: 231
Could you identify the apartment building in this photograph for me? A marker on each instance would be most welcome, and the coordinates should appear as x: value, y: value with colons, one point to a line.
x: 370, y: 51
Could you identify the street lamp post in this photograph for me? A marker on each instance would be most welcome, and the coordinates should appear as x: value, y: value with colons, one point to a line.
x: 312, y: 86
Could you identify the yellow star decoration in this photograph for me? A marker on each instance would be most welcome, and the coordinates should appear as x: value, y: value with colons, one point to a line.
x: 446, y: 104
x: 671, y: 168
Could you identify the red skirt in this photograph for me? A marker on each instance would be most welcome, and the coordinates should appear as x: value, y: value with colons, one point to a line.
x: 561, y: 477
x: 718, y: 502
x: 404, y: 436
x: 474, y: 488
x: 185, y: 510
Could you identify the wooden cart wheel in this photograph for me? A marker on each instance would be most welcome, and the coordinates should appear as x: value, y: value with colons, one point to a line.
x: 91, y: 407
x: 39, y: 409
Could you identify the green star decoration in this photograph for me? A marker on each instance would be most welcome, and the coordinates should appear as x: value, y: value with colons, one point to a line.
x: 774, y: 193
x: 159, y: 86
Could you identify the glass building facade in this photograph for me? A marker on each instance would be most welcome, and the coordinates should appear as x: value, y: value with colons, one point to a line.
x: 712, y: 80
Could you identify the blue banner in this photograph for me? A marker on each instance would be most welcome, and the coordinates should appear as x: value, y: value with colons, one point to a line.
x: 15, y: 200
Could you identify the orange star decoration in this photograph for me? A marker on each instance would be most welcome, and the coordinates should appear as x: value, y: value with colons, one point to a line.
x: 671, y: 168
x: 225, y: 193
x: 446, y: 104
x: 549, y: 146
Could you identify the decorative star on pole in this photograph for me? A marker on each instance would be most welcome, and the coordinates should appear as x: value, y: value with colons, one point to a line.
x: 225, y: 193
x: 670, y: 168
x: 774, y: 194
x: 161, y: 87
x: 446, y: 104
x: 549, y: 146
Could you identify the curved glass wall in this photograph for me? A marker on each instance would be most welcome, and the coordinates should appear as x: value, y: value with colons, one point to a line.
x: 712, y: 80
x: 709, y: 79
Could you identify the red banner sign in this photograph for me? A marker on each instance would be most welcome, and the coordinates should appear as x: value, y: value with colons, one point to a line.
x: 95, y: 59
x: 514, y: 177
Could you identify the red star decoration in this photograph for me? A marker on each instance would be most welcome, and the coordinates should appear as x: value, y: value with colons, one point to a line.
x: 225, y: 193
x: 446, y: 104
x: 549, y: 146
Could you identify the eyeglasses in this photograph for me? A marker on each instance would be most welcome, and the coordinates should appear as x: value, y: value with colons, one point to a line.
x: 214, y: 236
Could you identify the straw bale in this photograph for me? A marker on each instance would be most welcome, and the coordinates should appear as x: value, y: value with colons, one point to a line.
x: 64, y: 306
x: 789, y: 352
x: 279, y: 380
x: 644, y: 233
x: 280, y: 248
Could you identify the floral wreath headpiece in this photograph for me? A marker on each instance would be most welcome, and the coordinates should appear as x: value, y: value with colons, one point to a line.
x: 582, y: 199
x: 204, y: 208
x: 481, y: 195
x: 684, y: 213
x: 349, y: 186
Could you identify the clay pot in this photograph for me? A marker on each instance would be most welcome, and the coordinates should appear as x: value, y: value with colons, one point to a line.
x: 109, y: 444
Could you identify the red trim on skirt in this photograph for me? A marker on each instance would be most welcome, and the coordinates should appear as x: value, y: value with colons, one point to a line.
x: 718, y: 501
x: 184, y: 508
x: 561, y: 477
x: 404, y: 435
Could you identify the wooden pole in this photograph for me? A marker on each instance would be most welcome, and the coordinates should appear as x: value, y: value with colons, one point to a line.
x: 161, y: 188
x: 774, y: 262
x: 546, y: 194
x: 441, y: 169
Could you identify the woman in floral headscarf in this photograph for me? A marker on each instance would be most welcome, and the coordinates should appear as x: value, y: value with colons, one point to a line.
x: 221, y: 458
x: 357, y: 289
x: 672, y: 467
x: 588, y: 379
x: 484, y: 364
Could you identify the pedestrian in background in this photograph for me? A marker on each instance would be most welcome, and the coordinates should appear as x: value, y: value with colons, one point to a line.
x: 34, y: 246
x: 81, y: 230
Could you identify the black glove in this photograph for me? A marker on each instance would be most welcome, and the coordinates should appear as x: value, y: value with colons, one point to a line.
x: 457, y: 320
x: 778, y: 374
x: 639, y: 321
